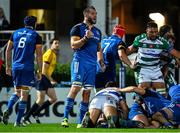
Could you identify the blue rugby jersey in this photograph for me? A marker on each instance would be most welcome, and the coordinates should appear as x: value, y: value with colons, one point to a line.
x: 174, y: 92
x: 154, y: 101
x: 88, y: 52
x: 110, y: 48
x: 24, y: 44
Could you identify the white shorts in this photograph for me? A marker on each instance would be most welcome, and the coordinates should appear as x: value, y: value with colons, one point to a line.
x: 99, y: 102
x: 153, y: 74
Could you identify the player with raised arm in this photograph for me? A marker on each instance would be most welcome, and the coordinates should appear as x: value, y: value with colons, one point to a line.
x: 85, y: 41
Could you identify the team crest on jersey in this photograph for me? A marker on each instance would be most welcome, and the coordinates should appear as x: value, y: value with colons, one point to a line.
x: 151, y: 46
x: 97, y: 32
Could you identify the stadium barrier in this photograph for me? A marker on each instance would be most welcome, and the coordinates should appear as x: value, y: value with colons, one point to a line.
x: 53, y: 114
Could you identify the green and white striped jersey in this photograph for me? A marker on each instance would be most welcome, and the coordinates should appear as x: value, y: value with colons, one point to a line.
x: 149, y: 50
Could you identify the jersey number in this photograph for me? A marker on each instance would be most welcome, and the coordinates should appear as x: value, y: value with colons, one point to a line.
x: 22, y: 42
x: 105, y: 49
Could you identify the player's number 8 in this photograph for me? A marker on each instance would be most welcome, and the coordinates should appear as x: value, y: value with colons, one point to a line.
x: 22, y: 42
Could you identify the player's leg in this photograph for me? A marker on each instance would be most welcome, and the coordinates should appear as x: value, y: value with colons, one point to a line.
x: 143, y: 78
x: 89, y: 82
x: 52, y: 99
x: 95, y: 109
x: 111, y: 116
x: 84, y: 104
x: 48, y: 89
x: 13, y: 99
x: 162, y: 116
x: 70, y: 103
x: 77, y: 75
x: 110, y: 111
x: 37, y: 104
x: 24, y: 83
x: 22, y: 104
x: 158, y: 81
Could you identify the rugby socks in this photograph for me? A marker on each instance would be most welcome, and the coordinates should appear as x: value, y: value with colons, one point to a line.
x: 43, y: 106
x: 32, y: 110
x: 13, y: 99
x: 68, y: 107
x: 83, y: 110
x: 21, y: 108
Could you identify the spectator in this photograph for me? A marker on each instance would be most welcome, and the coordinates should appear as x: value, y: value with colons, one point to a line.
x: 4, y: 24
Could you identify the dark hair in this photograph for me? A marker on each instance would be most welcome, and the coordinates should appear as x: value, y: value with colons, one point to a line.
x: 164, y: 29
x: 30, y: 21
x: 52, y: 40
x: 110, y: 84
x: 151, y: 24
x: 2, y: 12
x: 87, y: 9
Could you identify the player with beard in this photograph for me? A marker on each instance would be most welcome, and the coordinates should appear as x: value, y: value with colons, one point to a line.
x: 149, y: 46
x: 85, y: 41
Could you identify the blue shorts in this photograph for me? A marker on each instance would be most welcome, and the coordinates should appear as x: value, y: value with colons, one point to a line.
x: 103, y: 78
x: 175, y: 108
x: 23, y: 78
x: 135, y: 110
x: 44, y: 84
x: 82, y: 74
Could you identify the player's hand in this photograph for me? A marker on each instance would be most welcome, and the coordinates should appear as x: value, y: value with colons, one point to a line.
x: 89, y: 33
x: 39, y: 75
x: 133, y: 66
x: 101, y: 65
x: 8, y: 71
x: 54, y: 83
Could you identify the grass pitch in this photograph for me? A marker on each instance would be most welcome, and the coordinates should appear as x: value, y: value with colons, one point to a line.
x: 58, y: 128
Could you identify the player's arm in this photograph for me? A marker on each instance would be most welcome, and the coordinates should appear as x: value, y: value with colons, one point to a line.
x: 124, y: 108
x: 175, y: 53
x: 123, y: 56
x: 131, y: 49
x: 100, y: 57
x: 129, y: 89
x: 177, y: 62
x: 76, y: 41
x: 47, y: 58
x: 39, y: 54
x: 134, y: 47
x: 9, y: 57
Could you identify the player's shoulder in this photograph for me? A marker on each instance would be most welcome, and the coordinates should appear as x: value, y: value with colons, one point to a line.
x: 79, y: 25
x: 141, y: 36
x: 48, y: 52
x: 163, y: 40
x: 97, y: 29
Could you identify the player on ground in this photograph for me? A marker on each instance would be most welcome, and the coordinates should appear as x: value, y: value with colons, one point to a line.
x: 169, y: 116
x: 106, y: 101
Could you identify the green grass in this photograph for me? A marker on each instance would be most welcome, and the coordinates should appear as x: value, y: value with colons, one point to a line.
x: 72, y: 128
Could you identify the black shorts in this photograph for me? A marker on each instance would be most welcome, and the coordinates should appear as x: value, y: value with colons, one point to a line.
x: 44, y: 84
